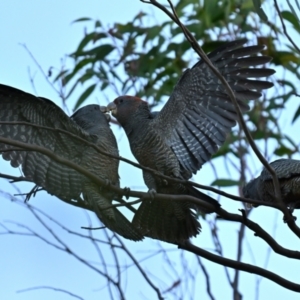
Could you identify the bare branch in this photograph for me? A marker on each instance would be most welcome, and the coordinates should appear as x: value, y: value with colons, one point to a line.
x: 206, y: 275
x: 50, y: 288
x: 241, y: 266
x: 284, y: 28
x: 260, y: 233
x: 143, y: 273
x: 171, y: 179
x: 120, y: 191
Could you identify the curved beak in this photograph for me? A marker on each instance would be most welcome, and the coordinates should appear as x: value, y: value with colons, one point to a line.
x: 108, y: 117
x: 103, y: 109
x: 112, y: 107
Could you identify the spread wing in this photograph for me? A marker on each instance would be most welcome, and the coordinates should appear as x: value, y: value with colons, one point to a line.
x: 284, y: 168
x: 199, y: 113
x: 57, y: 179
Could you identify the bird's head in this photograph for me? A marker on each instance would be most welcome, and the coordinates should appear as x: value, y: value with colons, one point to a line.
x: 91, y: 117
x: 126, y: 108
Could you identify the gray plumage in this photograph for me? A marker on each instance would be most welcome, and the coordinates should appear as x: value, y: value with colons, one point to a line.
x: 288, y: 173
x: 88, y: 123
x: 199, y: 114
x: 179, y: 139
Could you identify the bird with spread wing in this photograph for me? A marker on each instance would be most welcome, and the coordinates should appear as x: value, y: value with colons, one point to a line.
x: 88, y: 123
x: 185, y: 134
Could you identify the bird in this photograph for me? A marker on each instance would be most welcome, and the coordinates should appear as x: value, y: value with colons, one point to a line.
x: 185, y: 134
x: 288, y: 174
x: 88, y: 123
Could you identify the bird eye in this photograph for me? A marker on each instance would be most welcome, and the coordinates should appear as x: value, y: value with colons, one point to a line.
x: 121, y: 100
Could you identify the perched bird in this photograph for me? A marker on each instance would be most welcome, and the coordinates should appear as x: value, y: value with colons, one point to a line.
x: 288, y: 173
x: 88, y: 123
x: 179, y: 139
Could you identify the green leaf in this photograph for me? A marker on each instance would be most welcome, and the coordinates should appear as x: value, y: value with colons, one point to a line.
x: 293, y: 143
x: 293, y: 10
x: 78, y: 66
x: 151, y: 34
x: 130, y: 28
x: 67, y: 78
x: 82, y: 20
x: 91, y: 37
x: 139, y: 16
x: 60, y: 75
x: 89, y: 73
x: 81, y: 80
x: 82, y: 63
x: 84, y: 95
x: 283, y: 150
x: 283, y: 58
x: 98, y: 24
x: 287, y: 15
x: 225, y: 182
x: 72, y: 89
x: 99, y: 52
x: 103, y: 51
x: 296, y: 115
x: 104, y: 86
x: 259, y: 10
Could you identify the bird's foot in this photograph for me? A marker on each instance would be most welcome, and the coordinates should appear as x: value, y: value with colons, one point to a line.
x: 286, y: 219
x: 165, y: 182
x: 152, y: 192
x: 33, y: 192
x: 126, y: 192
x: 107, y: 183
x: 82, y: 200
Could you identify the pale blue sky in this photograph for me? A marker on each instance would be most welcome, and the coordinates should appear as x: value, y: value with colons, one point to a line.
x: 45, y: 27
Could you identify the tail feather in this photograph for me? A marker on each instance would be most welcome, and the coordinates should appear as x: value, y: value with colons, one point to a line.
x: 122, y: 226
x: 167, y: 220
x: 172, y: 221
x: 191, y: 191
x: 110, y: 217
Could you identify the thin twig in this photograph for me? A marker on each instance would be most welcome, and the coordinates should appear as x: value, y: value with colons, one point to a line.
x: 284, y: 27
x: 207, y: 279
x: 188, y: 246
x: 50, y: 288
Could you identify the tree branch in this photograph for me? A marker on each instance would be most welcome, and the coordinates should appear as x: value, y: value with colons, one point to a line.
x: 154, y: 172
x: 241, y: 266
x: 284, y: 28
x: 50, y: 288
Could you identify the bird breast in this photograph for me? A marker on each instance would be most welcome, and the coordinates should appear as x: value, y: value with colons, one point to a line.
x: 151, y: 151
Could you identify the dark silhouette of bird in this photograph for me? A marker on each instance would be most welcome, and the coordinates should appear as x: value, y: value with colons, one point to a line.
x: 89, y: 124
x: 179, y: 139
x: 288, y: 173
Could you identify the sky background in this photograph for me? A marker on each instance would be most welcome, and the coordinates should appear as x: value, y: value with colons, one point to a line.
x: 46, y: 28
